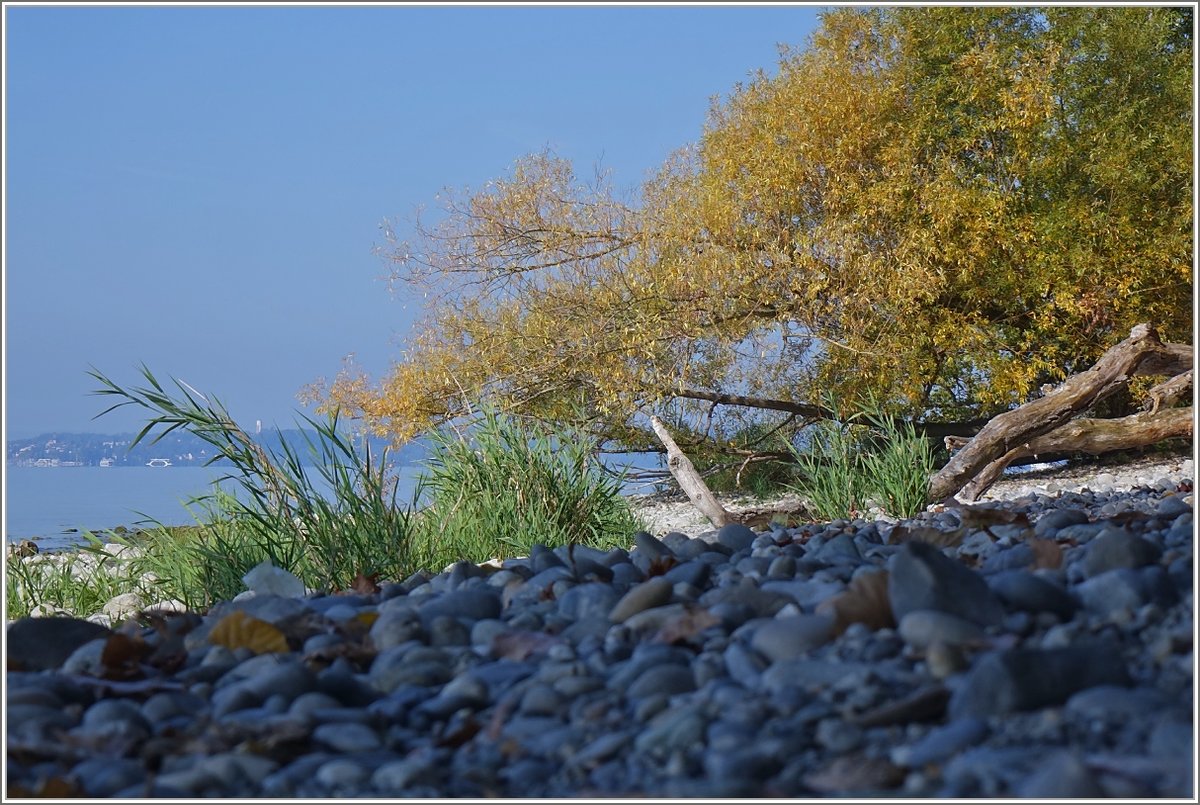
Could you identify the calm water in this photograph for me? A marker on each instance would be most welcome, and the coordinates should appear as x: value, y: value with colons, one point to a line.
x: 43, y: 502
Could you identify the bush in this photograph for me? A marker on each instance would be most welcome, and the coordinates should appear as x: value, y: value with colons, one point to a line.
x: 504, y: 487
x: 845, y: 468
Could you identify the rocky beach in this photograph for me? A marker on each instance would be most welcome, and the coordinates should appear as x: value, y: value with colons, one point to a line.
x: 1036, y: 644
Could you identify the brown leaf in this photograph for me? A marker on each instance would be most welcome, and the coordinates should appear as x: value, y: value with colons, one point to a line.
x: 1047, y: 554
x: 981, y: 516
x: 660, y: 565
x: 367, y: 585
x: 864, y: 601
x: 122, y: 656
x: 692, y: 622
x: 855, y: 773
x: 239, y: 630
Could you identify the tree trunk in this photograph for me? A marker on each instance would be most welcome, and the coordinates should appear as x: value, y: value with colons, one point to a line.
x: 1093, y: 436
x: 1142, y: 352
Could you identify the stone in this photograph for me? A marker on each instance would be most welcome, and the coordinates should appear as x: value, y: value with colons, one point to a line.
x: 471, y: 604
x: 1009, y: 681
x: 648, y: 595
x: 1063, y: 775
x: 39, y: 644
x: 1125, y: 589
x: 1025, y: 591
x: 1116, y: 548
x: 736, y: 537
x: 787, y: 637
x: 346, y: 737
x: 922, y: 577
x: 665, y: 680
x: 1052, y: 521
x: 941, y: 743
x: 588, y: 600
x: 924, y: 627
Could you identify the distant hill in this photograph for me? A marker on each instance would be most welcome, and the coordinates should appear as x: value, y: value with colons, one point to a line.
x: 180, y: 448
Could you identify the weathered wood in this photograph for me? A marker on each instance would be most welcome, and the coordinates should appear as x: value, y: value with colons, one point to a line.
x: 1008, y: 431
x: 1171, y: 360
x: 1093, y: 436
x: 1167, y: 392
x: 689, y: 480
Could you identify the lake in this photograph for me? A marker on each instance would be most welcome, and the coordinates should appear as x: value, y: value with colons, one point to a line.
x: 42, y: 503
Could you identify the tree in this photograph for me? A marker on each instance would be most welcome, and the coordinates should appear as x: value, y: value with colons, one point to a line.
x: 938, y: 208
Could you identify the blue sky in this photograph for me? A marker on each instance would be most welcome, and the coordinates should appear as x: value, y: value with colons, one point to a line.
x: 201, y: 188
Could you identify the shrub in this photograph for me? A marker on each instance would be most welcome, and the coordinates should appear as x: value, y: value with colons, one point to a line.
x: 502, y: 487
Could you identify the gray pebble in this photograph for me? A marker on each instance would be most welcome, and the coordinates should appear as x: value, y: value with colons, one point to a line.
x: 922, y: 577
x: 1117, y: 548
x: 736, y: 537
x: 921, y: 628
x: 786, y: 637
x: 647, y: 595
x: 1025, y: 679
x: 346, y: 737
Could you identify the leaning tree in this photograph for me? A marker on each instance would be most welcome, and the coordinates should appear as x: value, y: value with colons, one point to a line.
x: 939, y: 209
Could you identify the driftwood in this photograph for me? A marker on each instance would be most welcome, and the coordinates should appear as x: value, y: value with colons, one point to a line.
x: 1042, y: 426
x: 1168, y: 392
x: 701, y: 496
x: 689, y: 480
x: 1094, y: 436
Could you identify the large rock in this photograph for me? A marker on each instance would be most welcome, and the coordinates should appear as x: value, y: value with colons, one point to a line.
x: 40, y: 644
x: 1028, y: 679
x: 922, y: 577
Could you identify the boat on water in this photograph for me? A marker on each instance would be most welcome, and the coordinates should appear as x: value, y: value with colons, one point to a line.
x: 106, y: 462
x: 159, y: 462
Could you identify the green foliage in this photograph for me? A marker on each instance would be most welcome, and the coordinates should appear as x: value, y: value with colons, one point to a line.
x: 872, y: 460
x: 494, y: 493
x: 327, y: 520
x: 76, y: 582
x: 502, y: 487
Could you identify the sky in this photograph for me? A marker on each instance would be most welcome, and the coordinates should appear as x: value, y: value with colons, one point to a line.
x: 201, y: 189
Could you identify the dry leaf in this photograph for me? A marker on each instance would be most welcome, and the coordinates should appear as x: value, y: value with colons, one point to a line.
x: 981, y: 516
x: 1047, y: 554
x: 367, y: 585
x: 122, y: 656
x: 864, y: 601
x: 929, y: 534
x: 683, y: 627
x: 239, y: 630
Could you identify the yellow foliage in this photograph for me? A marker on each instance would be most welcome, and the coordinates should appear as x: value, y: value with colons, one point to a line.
x: 941, y: 208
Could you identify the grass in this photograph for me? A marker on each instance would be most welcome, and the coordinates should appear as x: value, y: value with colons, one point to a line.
x: 873, y: 459
x: 501, y: 487
x: 495, y: 488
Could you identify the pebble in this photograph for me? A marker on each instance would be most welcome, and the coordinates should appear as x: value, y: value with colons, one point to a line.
x: 698, y: 664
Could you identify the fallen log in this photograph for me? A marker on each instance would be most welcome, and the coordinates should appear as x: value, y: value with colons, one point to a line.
x: 705, y: 501
x: 1094, y: 436
x: 689, y: 480
x: 1166, y: 393
x: 1142, y: 352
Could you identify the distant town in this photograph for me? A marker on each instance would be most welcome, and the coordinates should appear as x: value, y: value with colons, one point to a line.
x: 178, y: 449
